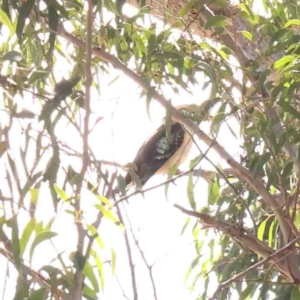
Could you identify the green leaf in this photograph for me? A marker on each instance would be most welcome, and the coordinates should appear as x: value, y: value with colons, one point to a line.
x: 187, y: 222
x: 59, y: 8
x: 38, y: 75
x: 24, y: 13
x: 40, y: 294
x: 53, y: 24
x: 113, y: 260
x: 110, y: 5
x: 264, y: 158
x: 283, y: 61
x: 247, y: 35
x: 100, y: 268
x: 292, y: 22
x: 171, y: 173
x: 295, y: 295
x: 219, y: 118
x: 259, y: 162
x: 246, y: 292
x: 286, y: 174
x: 121, y: 184
x: 5, y: 6
x: 89, y: 293
x: 288, y: 108
x: 104, y: 200
x: 41, y: 237
x: 194, y: 263
x: 34, y: 196
x: 213, y: 191
x: 185, y: 9
x: 49, y: 224
x: 90, y: 275
x: 94, y: 232
x: 190, y: 191
x: 261, y: 229
x: 13, y: 223
x: 178, y: 24
x: 61, y: 193
x: 217, y: 21
x: 272, y: 233
x: 108, y: 214
x: 28, y: 230
x: 4, y: 19
x: 170, y: 68
x: 135, y: 177
x: 195, y: 161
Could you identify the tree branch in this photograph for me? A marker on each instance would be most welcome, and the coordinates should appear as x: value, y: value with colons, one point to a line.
x: 76, y: 293
x: 242, y: 172
x: 248, y: 240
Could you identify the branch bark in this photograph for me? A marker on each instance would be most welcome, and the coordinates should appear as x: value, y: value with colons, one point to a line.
x: 76, y: 293
x: 249, y: 241
x: 287, y: 228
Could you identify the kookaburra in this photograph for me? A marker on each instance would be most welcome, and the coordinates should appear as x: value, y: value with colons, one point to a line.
x: 162, y: 151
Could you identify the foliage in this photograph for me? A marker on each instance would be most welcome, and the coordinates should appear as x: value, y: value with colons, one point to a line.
x: 249, y: 63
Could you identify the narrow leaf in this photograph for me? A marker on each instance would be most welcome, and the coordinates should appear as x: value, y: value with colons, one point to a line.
x: 108, y: 214
x: 34, y: 196
x: 272, y: 234
x: 90, y: 275
x: 113, y: 260
x: 293, y: 22
x: 95, y: 234
x: 89, y: 293
x: 295, y: 293
x: 104, y: 200
x: 61, y: 193
x: 283, y: 61
x: 40, y: 294
x: 288, y: 108
x: 53, y: 24
x: 171, y: 173
x: 4, y: 19
x: 24, y: 13
x: 190, y: 191
x: 217, y: 21
x: 261, y: 229
x: 214, y: 191
x: 41, y: 237
x: 28, y: 230
x: 247, y: 35
x: 99, y: 264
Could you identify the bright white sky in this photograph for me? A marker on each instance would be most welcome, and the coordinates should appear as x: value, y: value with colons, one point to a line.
x: 156, y: 223
x: 154, y: 220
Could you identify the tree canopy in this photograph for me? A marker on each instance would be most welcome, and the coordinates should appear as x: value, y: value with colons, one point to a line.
x: 64, y: 63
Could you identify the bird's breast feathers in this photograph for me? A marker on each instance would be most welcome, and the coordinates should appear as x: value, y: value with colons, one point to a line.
x: 174, y: 151
x: 164, y: 148
x: 160, y: 152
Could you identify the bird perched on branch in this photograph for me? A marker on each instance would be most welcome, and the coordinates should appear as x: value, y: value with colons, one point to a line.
x: 166, y: 148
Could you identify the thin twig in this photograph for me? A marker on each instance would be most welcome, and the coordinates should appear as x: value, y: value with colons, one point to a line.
x: 241, y: 171
x: 258, y: 264
x: 149, y: 267
x: 76, y: 293
x: 130, y: 258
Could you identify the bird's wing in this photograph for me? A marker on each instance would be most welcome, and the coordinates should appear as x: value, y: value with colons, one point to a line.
x: 157, y: 152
